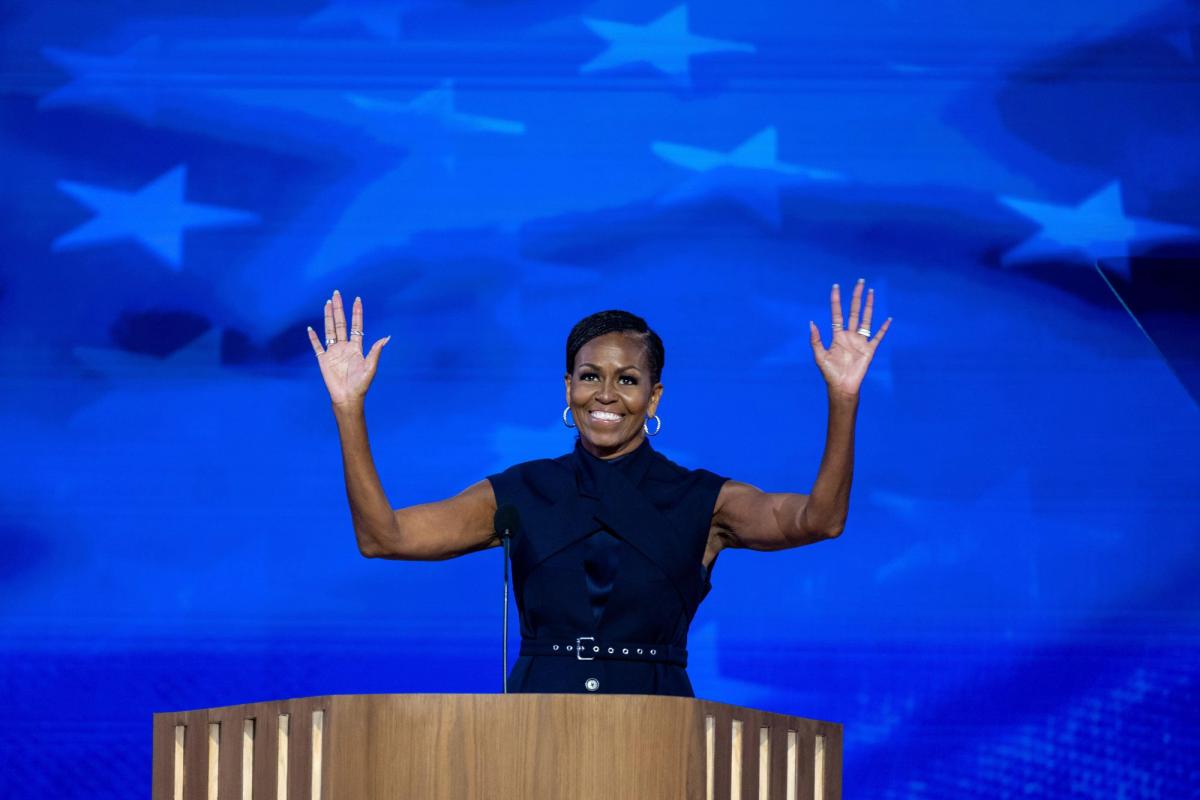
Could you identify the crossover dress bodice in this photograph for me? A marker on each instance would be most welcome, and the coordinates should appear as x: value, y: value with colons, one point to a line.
x: 610, y: 553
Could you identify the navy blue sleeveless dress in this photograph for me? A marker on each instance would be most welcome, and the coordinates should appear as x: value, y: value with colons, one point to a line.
x: 607, y: 570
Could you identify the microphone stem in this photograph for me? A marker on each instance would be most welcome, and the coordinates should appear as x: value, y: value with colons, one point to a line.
x: 504, y: 649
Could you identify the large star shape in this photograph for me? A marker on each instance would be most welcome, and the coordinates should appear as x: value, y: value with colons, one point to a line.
x: 664, y: 43
x: 155, y: 216
x: 123, y: 81
x: 438, y: 105
x: 760, y: 151
x: 750, y: 172
x: 1096, y: 228
x: 381, y: 18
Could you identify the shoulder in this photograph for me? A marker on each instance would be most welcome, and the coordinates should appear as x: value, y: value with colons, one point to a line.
x: 665, y: 470
x: 544, y: 477
x: 733, y: 494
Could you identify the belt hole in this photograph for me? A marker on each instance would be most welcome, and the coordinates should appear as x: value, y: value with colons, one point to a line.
x: 570, y: 647
x: 653, y: 652
x: 595, y: 648
x: 610, y: 649
x: 639, y: 651
x: 555, y: 647
x: 625, y: 650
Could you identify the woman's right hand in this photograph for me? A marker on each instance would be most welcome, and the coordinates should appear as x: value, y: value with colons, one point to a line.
x: 346, y: 371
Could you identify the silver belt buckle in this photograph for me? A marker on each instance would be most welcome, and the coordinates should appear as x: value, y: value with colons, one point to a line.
x: 579, y: 647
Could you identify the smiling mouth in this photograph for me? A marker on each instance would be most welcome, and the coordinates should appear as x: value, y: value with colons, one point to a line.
x: 606, y: 417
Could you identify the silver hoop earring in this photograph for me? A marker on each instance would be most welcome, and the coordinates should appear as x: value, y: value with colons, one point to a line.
x: 656, y: 430
x: 566, y: 412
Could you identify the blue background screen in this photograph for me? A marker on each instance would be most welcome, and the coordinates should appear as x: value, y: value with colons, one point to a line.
x: 1012, y: 609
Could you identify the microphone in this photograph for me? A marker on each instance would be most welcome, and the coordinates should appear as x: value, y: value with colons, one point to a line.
x: 506, y: 521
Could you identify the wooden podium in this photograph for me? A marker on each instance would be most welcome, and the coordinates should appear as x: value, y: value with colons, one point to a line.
x: 493, y: 747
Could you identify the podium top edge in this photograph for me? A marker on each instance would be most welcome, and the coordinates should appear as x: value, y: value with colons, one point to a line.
x: 523, y: 697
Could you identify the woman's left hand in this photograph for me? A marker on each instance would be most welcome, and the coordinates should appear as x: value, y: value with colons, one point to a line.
x: 845, y: 362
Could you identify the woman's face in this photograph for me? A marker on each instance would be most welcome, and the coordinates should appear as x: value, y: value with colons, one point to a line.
x: 610, y: 394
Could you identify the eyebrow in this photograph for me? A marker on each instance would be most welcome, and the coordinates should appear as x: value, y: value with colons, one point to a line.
x: 619, y: 369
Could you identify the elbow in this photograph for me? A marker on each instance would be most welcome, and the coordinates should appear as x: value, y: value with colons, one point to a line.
x: 815, y: 530
x: 831, y: 529
x: 814, y: 535
x: 387, y: 545
x: 827, y: 530
x: 367, y: 550
x: 368, y: 546
x: 379, y: 540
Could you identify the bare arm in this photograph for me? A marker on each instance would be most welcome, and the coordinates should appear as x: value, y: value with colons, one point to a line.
x: 428, y: 532
x: 746, y: 516
x: 453, y: 527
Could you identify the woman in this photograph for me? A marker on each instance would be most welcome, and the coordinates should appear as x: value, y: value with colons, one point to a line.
x: 616, y: 543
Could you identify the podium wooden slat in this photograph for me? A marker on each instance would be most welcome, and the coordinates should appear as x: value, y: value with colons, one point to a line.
x: 779, y: 739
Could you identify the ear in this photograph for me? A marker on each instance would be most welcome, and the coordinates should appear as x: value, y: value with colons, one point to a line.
x: 655, y: 396
x: 567, y: 381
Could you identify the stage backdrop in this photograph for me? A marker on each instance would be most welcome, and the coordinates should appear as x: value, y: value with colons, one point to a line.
x: 1013, y: 606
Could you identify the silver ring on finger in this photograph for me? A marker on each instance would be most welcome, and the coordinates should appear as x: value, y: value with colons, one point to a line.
x: 865, y: 331
x: 329, y: 341
x: 837, y: 326
x: 356, y: 333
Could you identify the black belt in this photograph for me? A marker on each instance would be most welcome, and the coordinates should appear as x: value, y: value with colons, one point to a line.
x: 587, y: 648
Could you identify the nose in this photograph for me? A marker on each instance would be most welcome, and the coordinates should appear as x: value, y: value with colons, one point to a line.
x: 606, y: 393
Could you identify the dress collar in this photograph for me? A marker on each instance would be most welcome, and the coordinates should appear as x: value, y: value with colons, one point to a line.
x: 591, y: 473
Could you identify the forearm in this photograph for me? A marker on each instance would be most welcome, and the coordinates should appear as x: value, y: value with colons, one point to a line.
x: 370, y: 510
x: 829, y: 502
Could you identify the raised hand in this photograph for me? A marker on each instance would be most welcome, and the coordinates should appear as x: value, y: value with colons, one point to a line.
x: 346, y: 372
x: 845, y: 363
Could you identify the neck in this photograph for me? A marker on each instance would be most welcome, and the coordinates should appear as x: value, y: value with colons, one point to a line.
x: 609, y: 453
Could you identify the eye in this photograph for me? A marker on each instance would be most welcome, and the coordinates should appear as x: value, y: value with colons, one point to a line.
x: 632, y: 381
x: 586, y: 375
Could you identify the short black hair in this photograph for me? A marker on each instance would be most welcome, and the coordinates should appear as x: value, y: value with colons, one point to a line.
x: 604, y: 322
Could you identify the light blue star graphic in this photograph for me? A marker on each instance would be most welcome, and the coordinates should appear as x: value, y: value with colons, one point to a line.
x: 664, y: 43
x: 380, y: 18
x: 155, y: 215
x: 1096, y: 228
x: 124, y: 81
x: 760, y: 151
x: 751, y: 173
x: 438, y: 104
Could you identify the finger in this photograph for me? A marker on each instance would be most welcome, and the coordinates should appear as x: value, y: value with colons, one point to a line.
x: 339, y: 317
x: 855, y: 300
x: 330, y: 336
x: 316, y: 343
x: 814, y: 337
x: 372, y: 358
x: 887, y: 323
x: 356, y: 322
x: 866, y: 317
x: 835, y: 300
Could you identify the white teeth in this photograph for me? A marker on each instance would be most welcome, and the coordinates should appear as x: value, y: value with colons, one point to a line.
x: 605, y: 415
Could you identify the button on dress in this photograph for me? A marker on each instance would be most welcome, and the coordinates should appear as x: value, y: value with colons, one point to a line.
x: 611, y: 550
